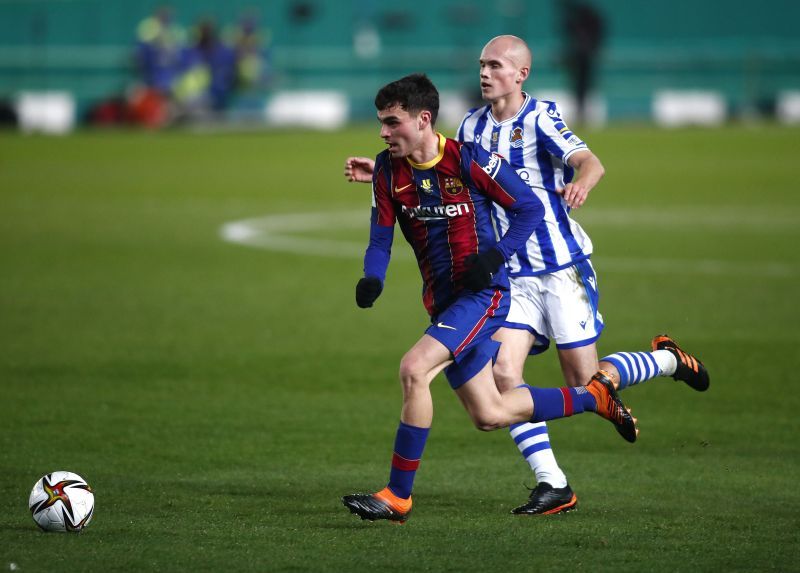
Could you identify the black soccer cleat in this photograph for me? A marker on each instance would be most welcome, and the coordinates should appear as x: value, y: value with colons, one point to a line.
x: 690, y: 369
x: 610, y: 407
x: 374, y: 506
x: 548, y: 500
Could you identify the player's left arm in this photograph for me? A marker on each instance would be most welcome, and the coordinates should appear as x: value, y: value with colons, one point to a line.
x: 494, y: 177
x: 590, y: 172
x: 560, y: 141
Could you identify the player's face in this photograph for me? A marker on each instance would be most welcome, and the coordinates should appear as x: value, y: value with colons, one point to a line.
x: 498, y: 72
x: 400, y: 130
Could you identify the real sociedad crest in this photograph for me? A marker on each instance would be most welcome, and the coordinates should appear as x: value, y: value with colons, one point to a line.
x: 516, y: 137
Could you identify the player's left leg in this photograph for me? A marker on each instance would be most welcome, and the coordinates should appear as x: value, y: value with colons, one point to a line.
x: 665, y: 359
x: 490, y: 410
x: 570, y: 298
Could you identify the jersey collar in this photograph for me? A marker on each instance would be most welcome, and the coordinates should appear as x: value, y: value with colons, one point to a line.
x: 435, y: 160
x: 513, y: 117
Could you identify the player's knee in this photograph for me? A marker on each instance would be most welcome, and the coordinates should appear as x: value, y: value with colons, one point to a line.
x: 412, y: 373
x: 487, y: 421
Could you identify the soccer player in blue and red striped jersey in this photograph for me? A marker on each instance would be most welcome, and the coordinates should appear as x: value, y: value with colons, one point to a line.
x: 554, y: 293
x: 442, y: 193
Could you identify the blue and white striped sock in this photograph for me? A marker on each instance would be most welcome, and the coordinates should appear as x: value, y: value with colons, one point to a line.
x: 638, y: 367
x: 533, y: 443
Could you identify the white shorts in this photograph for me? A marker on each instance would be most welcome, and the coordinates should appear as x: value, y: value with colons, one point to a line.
x: 560, y: 306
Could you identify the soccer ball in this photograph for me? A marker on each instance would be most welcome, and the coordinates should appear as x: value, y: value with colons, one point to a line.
x: 62, y: 501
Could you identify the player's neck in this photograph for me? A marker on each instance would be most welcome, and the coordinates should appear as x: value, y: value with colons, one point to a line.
x: 427, y: 150
x: 507, y: 107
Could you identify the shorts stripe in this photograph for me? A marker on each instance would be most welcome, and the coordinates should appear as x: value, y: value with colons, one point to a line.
x: 495, y: 304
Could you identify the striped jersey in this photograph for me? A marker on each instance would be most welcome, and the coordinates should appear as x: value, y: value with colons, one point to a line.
x: 537, y: 143
x: 444, y: 209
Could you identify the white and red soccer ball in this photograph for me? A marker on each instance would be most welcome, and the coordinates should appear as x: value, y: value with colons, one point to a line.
x: 62, y: 501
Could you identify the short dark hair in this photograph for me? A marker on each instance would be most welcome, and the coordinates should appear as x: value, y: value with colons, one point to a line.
x: 413, y: 93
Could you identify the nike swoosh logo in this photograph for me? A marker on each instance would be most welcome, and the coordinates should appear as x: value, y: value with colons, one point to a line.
x: 443, y: 325
x: 398, y: 189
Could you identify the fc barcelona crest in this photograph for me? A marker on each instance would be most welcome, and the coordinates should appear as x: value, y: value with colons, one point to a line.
x: 453, y: 185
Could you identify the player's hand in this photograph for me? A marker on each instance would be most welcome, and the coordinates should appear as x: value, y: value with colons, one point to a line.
x: 480, y: 269
x: 574, y: 194
x: 359, y: 169
x: 367, y: 290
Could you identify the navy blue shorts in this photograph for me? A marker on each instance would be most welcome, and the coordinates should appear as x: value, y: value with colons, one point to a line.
x: 466, y: 328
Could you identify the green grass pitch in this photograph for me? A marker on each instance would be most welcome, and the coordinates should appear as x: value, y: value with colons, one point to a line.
x: 220, y: 398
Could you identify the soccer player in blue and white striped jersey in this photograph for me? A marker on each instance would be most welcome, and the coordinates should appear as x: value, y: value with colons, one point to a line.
x: 554, y: 292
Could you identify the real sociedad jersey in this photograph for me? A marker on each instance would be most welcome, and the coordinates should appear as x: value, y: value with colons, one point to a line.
x: 537, y: 143
x: 444, y: 208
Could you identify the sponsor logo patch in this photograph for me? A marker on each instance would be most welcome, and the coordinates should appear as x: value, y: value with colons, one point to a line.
x: 436, y: 212
x: 493, y: 166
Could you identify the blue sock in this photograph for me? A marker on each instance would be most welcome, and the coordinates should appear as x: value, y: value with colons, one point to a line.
x: 553, y: 403
x: 408, y: 446
x: 634, y: 367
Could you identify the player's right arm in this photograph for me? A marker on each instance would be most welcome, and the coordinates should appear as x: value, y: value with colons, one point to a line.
x: 381, y: 235
x: 359, y: 169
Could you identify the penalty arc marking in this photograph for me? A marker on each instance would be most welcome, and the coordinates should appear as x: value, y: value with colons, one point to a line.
x: 285, y: 233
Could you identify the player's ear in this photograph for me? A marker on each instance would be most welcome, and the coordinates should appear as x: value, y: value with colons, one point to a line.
x: 423, y: 119
x: 522, y: 75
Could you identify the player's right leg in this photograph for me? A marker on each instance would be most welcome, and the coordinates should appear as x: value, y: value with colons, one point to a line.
x: 418, y: 368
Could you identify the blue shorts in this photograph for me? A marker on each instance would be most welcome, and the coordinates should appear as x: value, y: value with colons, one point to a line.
x: 466, y: 328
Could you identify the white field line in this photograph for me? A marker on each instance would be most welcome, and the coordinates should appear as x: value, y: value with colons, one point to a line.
x: 284, y: 233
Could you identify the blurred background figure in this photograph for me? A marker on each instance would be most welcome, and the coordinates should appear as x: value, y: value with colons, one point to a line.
x: 584, y: 30
x: 252, y: 51
x: 158, y: 50
x: 207, y: 74
x: 159, y: 45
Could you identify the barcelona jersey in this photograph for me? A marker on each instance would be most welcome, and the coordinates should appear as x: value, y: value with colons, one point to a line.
x: 444, y: 209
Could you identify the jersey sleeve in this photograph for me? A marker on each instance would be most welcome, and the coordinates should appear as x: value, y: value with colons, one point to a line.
x: 558, y: 139
x: 382, y: 219
x: 494, y: 177
x: 466, y: 128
